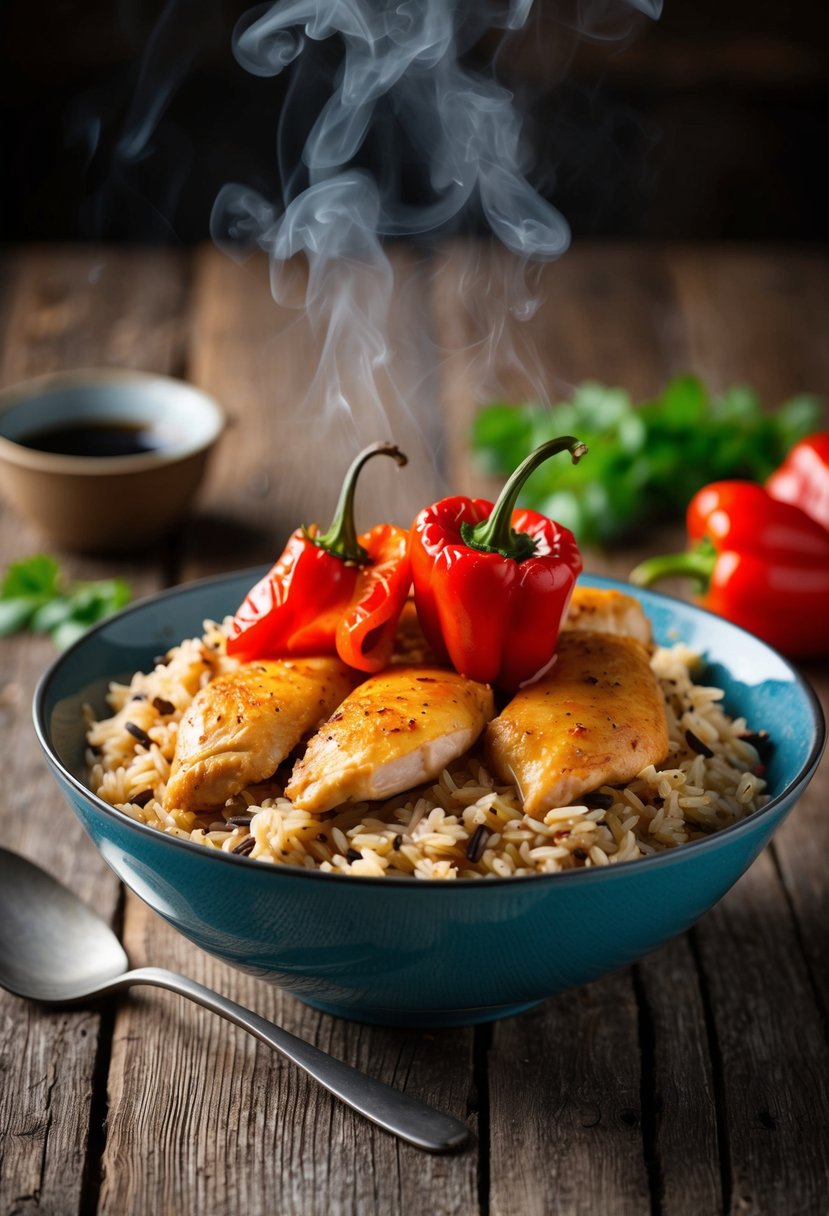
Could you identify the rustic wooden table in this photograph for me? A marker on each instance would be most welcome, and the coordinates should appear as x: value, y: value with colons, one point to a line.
x: 693, y: 1083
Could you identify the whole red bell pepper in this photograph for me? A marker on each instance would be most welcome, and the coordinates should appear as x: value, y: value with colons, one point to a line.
x: 803, y: 477
x: 762, y: 563
x: 330, y: 593
x: 492, y: 583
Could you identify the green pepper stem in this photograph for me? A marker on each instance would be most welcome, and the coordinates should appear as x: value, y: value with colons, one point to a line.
x: 696, y: 563
x: 496, y: 533
x: 341, y: 538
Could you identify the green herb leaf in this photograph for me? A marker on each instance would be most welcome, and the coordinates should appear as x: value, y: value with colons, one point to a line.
x: 33, y: 595
x: 16, y: 613
x: 31, y: 576
x: 646, y: 460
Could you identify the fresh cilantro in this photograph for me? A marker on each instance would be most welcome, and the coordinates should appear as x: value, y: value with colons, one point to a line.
x: 34, y: 595
x: 646, y: 461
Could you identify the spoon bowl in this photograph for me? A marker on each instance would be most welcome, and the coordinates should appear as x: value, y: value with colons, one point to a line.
x: 55, y: 949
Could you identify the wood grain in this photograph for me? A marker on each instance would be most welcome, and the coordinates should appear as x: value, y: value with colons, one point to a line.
x: 291, y: 437
x: 63, y: 310
x: 203, y: 1118
x: 694, y: 1082
x: 565, y: 1113
x: 294, y: 1148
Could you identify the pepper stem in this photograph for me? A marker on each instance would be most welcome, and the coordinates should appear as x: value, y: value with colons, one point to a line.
x: 696, y: 563
x: 341, y: 538
x: 496, y: 533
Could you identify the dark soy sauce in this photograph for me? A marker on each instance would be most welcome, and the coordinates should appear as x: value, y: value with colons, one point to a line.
x: 94, y: 438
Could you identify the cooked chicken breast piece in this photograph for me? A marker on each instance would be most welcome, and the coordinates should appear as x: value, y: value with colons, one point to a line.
x: 241, y: 725
x: 607, y: 611
x: 596, y: 719
x: 397, y: 730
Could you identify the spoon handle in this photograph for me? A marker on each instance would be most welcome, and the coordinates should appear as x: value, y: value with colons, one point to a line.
x: 389, y: 1108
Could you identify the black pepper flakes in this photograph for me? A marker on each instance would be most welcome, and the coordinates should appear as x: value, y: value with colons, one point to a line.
x: 477, y: 843
x: 139, y: 734
x: 696, y: 745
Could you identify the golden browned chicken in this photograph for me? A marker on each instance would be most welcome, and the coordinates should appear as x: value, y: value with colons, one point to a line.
x: 241, y: 726
x: 397, y: 730
x: 596, y: 719
x: 608, y: 611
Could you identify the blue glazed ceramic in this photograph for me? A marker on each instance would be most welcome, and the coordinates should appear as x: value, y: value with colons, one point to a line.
x: 409, y: 952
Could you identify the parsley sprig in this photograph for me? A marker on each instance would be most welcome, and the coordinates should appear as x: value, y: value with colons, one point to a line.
x: 646, y: 460
x: 35, y: 595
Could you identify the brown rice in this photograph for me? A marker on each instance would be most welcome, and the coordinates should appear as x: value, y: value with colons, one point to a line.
x: 463, y: 826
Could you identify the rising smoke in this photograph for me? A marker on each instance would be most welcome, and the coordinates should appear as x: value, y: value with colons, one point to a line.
x: 403, y: 105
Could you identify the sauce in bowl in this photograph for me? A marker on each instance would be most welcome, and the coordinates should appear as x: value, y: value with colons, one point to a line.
x: 95, y: 437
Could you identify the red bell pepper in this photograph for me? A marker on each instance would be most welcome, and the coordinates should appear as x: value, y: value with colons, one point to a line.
x: 492, y: 583
x: 331, y: 593
x: 803, y: 477
x: 762, y: 563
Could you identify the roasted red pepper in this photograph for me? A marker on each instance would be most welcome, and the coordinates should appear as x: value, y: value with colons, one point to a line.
x: 334, y: 593
x: 492, y: 583
x: 803, y: 477
x: 762, y: 563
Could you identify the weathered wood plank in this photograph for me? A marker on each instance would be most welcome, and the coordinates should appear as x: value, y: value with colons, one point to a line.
x: 678, y: 1096
x: 607, y: 314
x: 755, y: 316
x: 799, y: 848
x: 601, y: 313
x: 565, y: 1110
x: 202, y: 1118
x: 772, y: 1047
x: 294, y: 432
x: 758, y: 319
x: 87, y: 307
x: 301, y: 1152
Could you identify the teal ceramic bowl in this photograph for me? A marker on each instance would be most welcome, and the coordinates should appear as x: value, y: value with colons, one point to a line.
x: 407, y: 951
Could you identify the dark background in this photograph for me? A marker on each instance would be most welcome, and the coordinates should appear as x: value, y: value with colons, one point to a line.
x: 708, y: 124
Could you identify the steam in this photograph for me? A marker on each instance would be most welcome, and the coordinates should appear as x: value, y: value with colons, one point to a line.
x: 402, y: 104
x: 462, y: 131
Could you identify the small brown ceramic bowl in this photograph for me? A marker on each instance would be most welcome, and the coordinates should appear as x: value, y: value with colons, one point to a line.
x: 104, y: 459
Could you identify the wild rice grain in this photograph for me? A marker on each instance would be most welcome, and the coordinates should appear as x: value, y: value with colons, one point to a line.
x: 598, y: 801
x: 477, y: 843
x: 163, y: 706
x: 431, y: 833
x: 139, y: 734
x: 696, y: 745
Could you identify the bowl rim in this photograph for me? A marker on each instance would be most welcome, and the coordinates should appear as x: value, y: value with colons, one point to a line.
x: 667, y: 857
x: 47, y: 383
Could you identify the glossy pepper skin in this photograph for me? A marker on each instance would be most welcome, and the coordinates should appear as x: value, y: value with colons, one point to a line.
x: 334, y: 593
x: 759, y: 562
x: 492, y: 583
x: 803, y: 477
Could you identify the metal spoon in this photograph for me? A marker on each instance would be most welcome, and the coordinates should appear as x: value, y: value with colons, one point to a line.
x: 53, y: 948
